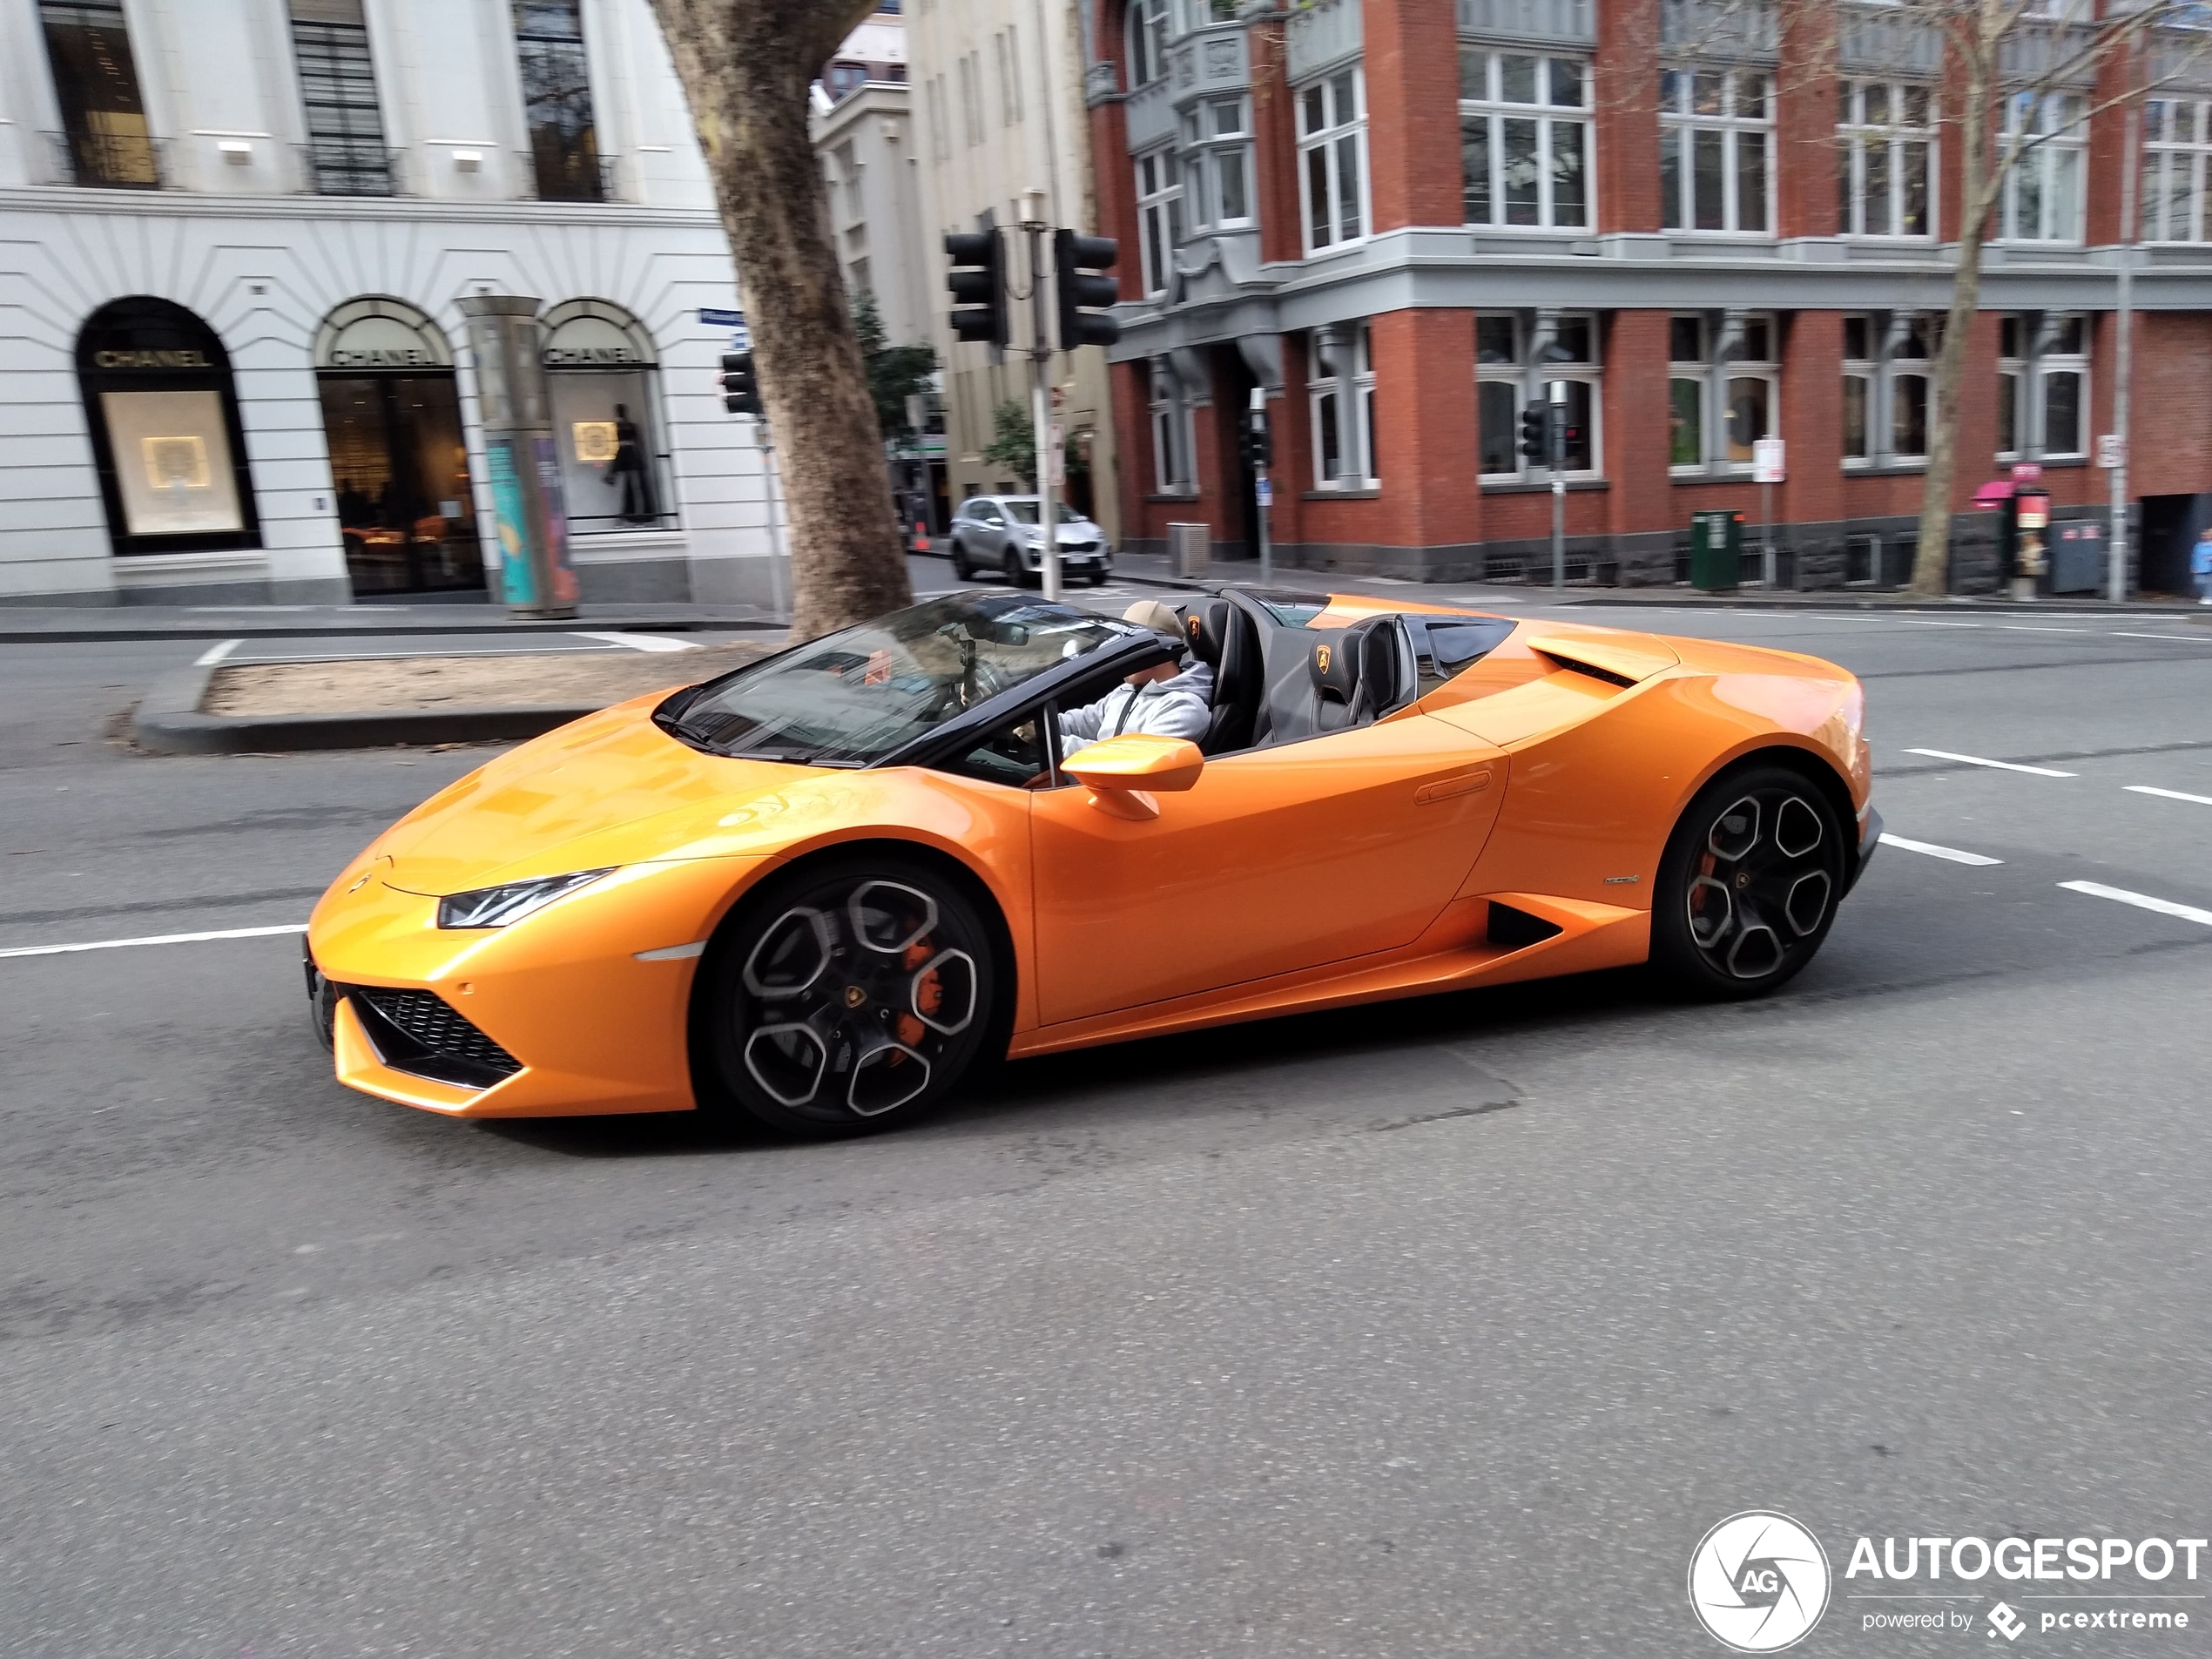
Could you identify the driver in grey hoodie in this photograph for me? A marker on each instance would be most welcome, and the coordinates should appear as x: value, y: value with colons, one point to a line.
x: 1169, y: 699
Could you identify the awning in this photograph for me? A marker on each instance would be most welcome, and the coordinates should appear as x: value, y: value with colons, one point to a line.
x: 1995, y: 493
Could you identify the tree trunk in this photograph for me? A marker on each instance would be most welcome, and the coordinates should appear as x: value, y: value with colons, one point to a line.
x: 746, y: 66
x: 1979, y: 178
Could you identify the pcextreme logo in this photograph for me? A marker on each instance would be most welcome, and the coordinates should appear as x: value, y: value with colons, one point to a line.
x: 1758, y: 1582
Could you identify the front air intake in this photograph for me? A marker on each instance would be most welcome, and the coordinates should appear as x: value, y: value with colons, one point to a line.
x: 421, y: 1033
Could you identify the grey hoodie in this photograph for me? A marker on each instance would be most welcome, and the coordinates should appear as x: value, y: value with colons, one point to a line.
x: 1182, y: 707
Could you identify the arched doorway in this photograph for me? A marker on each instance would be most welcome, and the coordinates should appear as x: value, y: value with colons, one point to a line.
x: 603, y: 380
x: 391, y: 412
x: 163, y: 418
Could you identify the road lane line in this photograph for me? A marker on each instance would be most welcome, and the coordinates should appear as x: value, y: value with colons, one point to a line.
x: 2187, y: 639
x: 2169, y: 794
x: 157, y: 939
x: 2036, y: 628
x: 2001, y: 766
x: 1921, y: 622
x: 641, y: 642
x: 2141, y: 900
x: 1935, y: 852
x: 215, y: 654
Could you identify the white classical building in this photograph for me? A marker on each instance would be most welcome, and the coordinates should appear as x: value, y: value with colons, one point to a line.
x: 233, y: 234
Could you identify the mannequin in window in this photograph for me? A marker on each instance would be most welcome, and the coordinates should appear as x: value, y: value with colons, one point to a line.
x: 628, y: 467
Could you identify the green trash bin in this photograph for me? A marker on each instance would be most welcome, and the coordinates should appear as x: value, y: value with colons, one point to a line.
x: 1717, y: 550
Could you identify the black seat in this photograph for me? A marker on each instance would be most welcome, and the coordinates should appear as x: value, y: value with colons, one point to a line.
x: 1354, y: 672
x: 1225, y: 639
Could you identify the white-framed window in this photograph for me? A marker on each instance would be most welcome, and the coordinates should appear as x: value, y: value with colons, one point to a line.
x: 2042, y: 386
x: 1204, y: 14
x: 1723, y: 389
x: 2177, y: 144
x: 1344, y: 437
x: 2043, y: 201
x: 1908, y: 375
x: 1516, y: 361
x: 1885, y: 162
x: 1218, y: 170
x: 1159, y: 215
x: 1148, y: 42
x: 1861, y: 376
x: 1171, y: 433
x: 1716, y: 150
x: 1526, y: 139
x: 1333, y: 160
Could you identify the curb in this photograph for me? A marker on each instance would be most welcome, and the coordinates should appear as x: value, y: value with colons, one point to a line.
x: 168, y: 721
x: 256, y: 628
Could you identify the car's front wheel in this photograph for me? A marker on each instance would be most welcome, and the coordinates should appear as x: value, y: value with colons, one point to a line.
x: 1017, y: 573
x: 852, y: 996
x: 960, y: 561
x: 1748, y: 885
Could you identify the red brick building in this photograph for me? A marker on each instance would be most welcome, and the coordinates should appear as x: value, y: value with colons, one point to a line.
x: 1403, y: 220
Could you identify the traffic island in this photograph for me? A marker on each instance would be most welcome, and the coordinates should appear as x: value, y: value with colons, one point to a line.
x: 264, y: 708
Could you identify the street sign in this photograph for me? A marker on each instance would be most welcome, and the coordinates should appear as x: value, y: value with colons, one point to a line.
x: 2112, y: 450
x: 2026, y: 472
x: 1056, y: 455
x: 1264, y: 489
x: 712, y: 319
x: 1767, y: 461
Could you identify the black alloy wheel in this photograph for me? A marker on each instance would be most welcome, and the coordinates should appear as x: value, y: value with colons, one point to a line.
x: 1748, y: 885
x: 851, y: 997
x: 1098, y: 578
x: 1017, y: 573
x: 960, y: 572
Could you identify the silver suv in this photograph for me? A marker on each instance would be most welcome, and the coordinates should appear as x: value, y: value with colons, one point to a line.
x: 1000, y: 534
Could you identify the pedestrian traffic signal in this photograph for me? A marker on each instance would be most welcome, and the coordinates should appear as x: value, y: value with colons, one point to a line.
x: 978, y: 283
x: 741, y: 389
x: 1259, y: 441
x: 1084, y: 293
x: 1567, y: 438
x: 1535, y: 433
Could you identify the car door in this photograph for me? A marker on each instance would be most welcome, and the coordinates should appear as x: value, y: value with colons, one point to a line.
x: 1276, y: 860
x: 990, y: 540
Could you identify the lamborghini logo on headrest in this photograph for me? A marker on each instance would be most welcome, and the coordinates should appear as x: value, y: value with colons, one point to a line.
x: 1321, y: 658
x: 1194, y: 627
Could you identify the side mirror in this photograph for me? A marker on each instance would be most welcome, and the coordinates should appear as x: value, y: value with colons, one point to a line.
x: 1119, y: 770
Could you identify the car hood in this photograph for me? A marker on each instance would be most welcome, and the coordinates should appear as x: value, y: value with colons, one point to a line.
x: 611, y: 789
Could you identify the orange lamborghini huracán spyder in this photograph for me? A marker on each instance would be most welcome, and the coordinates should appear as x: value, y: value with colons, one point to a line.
x: 822, y: 891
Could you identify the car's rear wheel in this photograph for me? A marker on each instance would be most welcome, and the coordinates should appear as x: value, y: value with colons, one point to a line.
x: 1748, y: 885
x: 852, y: 996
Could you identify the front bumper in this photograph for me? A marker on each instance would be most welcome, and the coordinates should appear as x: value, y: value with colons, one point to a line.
x: 1870, y: 837
x: 582, y: 1007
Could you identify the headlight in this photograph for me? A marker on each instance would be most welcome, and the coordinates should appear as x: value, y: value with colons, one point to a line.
x: 503, y: 905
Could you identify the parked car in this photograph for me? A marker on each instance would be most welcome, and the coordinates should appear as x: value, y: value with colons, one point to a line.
x: 999, y: 533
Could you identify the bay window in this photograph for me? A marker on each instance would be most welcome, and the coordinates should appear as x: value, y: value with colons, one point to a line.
x: 1148, y: 42
x: 1218, y: 171
x: 1525, y: 138
x: 1159, y: 215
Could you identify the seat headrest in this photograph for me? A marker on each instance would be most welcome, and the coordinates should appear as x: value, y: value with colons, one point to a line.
x: 1332, y: 662
x: 1206, y: 628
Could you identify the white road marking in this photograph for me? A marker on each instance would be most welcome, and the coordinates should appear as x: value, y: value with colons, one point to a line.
x: 2141, y: 900
x: 2169, y: 794
x: 2034, y: 628
x: 215, y: 654
x: 1935, y: 852
x: 2001, y: 766
x: 1922, y: 622
x: 641, y: 642
x: 2187, y: 639
x: 157, y: 939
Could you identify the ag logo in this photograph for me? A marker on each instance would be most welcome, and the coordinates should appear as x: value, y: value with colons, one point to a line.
x: 1758, y: 1582
x: 1321, y: 658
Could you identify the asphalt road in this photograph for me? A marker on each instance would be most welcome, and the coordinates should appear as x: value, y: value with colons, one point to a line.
x: 1443, y: 1328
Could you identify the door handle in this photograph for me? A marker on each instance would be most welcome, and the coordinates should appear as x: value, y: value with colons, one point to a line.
x: 1465, y: 783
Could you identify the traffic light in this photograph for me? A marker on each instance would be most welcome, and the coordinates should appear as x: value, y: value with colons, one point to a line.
x: 1566, y: 438
x: 1259, y: 441
x: 1082, y: 294
x: 741, y: 389
x: 978, y: 283
x: 1535, y: 433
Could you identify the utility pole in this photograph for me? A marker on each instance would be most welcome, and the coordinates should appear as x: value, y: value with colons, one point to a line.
x: 1033, y: 226
x: 775, y: 526
x: 2116, y: 544
x: 1262, y: 448
x: 1555, y: 447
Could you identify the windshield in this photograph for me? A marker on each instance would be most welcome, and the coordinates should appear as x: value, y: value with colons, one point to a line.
x: 1025, y: 512
x: 852, y: 697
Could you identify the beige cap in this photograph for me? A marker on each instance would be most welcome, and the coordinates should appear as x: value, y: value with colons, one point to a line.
x: 1154, y: 614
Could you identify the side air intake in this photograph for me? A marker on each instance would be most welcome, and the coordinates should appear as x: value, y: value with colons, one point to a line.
x: 1516, y: 929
